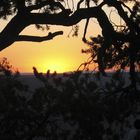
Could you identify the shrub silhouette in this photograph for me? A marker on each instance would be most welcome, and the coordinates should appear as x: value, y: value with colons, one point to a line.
x: 67, y: 107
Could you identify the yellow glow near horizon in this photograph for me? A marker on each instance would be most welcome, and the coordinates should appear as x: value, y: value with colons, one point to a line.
x: 54, y: 65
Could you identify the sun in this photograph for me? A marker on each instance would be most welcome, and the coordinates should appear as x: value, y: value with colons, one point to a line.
x: 59, y: 66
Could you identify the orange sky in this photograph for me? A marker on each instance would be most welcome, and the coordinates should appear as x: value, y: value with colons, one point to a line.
x: 61, y: 54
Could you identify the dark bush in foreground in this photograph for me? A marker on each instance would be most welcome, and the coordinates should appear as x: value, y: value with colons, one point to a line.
x: 68, y: 107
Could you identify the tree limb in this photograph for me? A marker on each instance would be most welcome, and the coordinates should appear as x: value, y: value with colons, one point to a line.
x: 87, y: 22
x: 11, y: 32
x: 79, y: 3
x: 37, y: 38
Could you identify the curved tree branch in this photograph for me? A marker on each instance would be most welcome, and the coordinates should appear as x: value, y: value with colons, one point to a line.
x: 38, y: 38
x: 87, y: 22
x: 11, y: 32
x: 79, y: 3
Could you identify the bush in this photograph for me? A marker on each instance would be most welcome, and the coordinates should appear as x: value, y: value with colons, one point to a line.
x: 70, y: 106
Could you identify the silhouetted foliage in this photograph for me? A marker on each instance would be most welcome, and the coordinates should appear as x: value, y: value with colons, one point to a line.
x: 69, y: 106
x: 117, y: 46
x: 114, y: 51
x: 77, y: 107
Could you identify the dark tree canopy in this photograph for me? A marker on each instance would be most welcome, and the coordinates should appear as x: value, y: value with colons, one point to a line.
x: 118, y: 44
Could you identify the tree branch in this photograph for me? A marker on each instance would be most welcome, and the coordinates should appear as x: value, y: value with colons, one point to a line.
x: 79, y: 3
x: 37, y: 38
x: 87, y: 22
x: 11, y: 32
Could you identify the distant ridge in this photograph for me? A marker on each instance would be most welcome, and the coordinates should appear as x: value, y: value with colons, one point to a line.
x: 69, y: 72
x: 28, y: 73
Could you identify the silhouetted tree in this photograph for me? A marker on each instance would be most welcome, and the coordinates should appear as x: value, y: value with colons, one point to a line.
x: 118, y: 48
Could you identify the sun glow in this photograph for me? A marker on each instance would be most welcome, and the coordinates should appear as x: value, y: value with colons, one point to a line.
x: 59, y: 66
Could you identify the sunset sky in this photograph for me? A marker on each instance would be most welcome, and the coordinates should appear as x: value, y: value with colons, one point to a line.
x: 62, y: 54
